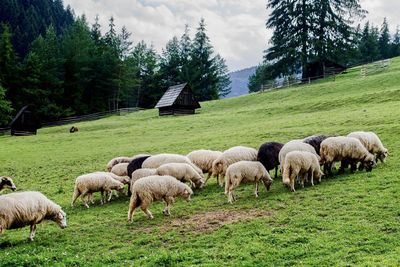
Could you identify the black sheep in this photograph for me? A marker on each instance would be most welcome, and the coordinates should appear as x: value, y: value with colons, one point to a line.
x: 315, y: 141
x: 133, y: 166
x: 268, y: 155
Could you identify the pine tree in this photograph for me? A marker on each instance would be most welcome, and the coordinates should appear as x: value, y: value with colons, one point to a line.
x: 264, y: 73
x: 395, y: 50
x: 185, y: 44
x: 5, y: 108
x: 369, y: 46
x: 384, y: 40
x: 171, y: 63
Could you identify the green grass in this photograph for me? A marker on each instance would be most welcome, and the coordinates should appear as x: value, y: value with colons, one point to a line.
x: 346, y: 220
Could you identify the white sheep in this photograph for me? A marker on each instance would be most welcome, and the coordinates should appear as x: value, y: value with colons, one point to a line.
x: 140, y: 173
x: 342, y: 148
x: 124, y: 180
x: 6, y: 182
x: 372, y: 143
x: 294, y: 145
x: 156, y: 161
x: 118, y: 160
x: 28, y: 208
x: 120, y: 169
x: 247, y: 171
x: 183, y: 172
x: 87, y: 184
x: 301, y: 164
x: 230, y: 156
x: 152, y: 188
x: 204, y: 160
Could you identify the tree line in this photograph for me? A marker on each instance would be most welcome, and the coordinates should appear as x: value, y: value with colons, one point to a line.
x: 80, y: 70
x: 307, y: 31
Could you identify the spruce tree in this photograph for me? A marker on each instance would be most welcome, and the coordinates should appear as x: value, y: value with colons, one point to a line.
x: 5, y: 108
x: 384, y: 40
x: 395, y: 50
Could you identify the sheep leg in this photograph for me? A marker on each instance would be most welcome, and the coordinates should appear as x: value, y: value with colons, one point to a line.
x: 85, y: 198
x: 33, y: 232
x: 311, y: 173
x: 276, y: 172
x: 208, y: 177
x: 256, y: 191
x: 109, y: 194
x: 230, y: 196
x: 292, y: 179
x: 168, y: 203
x: 77, y: 193
x: 221, y: 180
x: 144, y: 206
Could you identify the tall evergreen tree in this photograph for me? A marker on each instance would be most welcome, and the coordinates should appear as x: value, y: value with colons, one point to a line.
x: 5, y: 108
x: 395, y: 49
x: 171, y: 64
x: 384, y: 40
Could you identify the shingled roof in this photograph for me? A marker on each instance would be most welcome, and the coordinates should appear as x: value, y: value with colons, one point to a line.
x: 171, y: 95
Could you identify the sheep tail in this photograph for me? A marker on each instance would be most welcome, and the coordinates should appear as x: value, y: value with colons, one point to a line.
x: 227, y: 183
x: 75, y: 196
x: 135, y: 202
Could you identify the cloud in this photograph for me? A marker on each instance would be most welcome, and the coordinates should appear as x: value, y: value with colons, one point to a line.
x: 236, y: 27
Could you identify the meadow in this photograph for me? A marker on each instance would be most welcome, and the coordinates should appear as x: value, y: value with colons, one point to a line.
x: 347, y: 220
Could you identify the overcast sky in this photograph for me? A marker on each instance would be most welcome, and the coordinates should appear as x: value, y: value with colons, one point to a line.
x: 236, y: 27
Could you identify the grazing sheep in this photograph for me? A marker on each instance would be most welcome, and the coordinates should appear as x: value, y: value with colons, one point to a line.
x: 341, y: 148
x: 151, y: 188
x: 6, y: 182
x: 372, y: 143
x: 315, y: 141
x: 139, y: 174
x: 28, y: 208
x: 230, y: 156
x: 204, y: 159
x: 133, y: 166
x: 301, y: 164
x: 294, y: 145
x: 87, y: 184
x: 248, y: 171
x: 183, y: 172
x: 121, y: 169
x: 156, y: 161
x: 118, y: 160
x: 268, y: 155
x: 124, y: 180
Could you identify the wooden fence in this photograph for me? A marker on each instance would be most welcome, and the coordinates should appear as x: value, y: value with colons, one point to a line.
x: 74, y: 119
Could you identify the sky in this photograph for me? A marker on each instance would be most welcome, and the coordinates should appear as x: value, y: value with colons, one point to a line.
x: 236, y: 27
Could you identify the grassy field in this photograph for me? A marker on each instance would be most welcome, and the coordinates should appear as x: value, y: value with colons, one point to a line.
x: 347, y: 220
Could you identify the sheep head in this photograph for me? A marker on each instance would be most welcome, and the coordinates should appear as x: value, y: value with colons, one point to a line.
x: 61, y: 219
x: 7, y: 182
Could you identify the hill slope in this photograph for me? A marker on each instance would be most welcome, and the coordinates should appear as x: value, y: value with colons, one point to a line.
x: 345, y: 220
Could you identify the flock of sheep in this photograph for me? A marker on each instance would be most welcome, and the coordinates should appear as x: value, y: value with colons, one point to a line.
x: 167, y: 176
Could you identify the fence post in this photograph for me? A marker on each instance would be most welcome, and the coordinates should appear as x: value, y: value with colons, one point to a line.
x: 309, y: 80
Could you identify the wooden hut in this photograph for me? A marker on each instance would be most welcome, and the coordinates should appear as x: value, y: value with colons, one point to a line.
x: 178, y: 100
x: 25, y: 122
x: 321, y: 69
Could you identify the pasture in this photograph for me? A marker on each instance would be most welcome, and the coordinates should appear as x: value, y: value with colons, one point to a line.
x: 346, y: 220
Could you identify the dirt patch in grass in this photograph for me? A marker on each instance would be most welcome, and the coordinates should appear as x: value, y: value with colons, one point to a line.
x: 213, y: 220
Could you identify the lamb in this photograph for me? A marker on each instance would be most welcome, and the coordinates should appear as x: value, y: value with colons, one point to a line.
x: 294, y: 145
x: 118, y: 160
x: 151, y: 188
x: 342, y: 148
x: 231, y: 156
x: 301, y: 164
x: 372, y: 143
x: 245, y: 170
x: 315, y: 141
x: 28, y: 208
x: 156, y: 161
x: 183, y: 172
x: 6, y: 182
x: 204, y: 159
x: 268, y: 155
x: 121, y: 169
x: 87, y: 184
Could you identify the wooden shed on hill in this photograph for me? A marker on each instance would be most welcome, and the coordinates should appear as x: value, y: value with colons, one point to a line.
x: 321, y: 69
x: 178, y: 100
x: 26, y: 122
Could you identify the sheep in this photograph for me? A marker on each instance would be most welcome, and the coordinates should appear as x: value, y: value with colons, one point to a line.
x: 118, y: 160
x: 156, y: 161
x: 294, y: 145
x: 342, y: 148
x: 300, y: 164
x: 89, y: 183
x: 372, y: 143
x: 183, y: 172
x: 132, y: 167
x: 124, y: 180
x: 229, y: 157
x: 268, y: 155
x: 151, y: 188
x: 245, y: 170
x: 121, y: 169
x: 28, y: 208
x: 315, y: 141
x: 204, y: 159
x: 6, y: 182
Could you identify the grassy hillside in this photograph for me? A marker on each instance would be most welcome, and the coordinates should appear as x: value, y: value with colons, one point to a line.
x: 346, y: 220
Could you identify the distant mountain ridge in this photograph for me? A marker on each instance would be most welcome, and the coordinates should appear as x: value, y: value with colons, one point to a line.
x: 239, y: 81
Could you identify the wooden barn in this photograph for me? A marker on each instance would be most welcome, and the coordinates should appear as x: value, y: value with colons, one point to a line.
x: 26, y: 122
x: 321, y: 69
x: 178, y: 100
